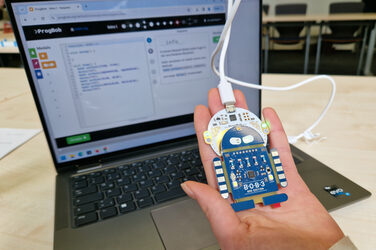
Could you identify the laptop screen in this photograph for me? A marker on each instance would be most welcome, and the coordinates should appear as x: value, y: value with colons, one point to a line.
x: 114, y: 75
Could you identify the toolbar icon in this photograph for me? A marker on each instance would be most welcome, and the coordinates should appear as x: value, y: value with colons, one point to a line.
x: 36, y: 64
x: 39, y: 74
x: 43, y: 56
x: 33, y: 53
x: 49, y: 65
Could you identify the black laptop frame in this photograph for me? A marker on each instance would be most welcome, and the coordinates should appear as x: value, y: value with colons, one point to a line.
x: 96, y: 160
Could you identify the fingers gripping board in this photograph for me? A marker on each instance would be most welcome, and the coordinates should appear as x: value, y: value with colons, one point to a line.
x: 244, y: 167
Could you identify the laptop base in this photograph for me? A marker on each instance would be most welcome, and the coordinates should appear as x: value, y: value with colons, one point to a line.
x: 319, y: 177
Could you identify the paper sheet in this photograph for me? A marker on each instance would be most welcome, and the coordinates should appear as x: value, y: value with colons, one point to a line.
x: 10, y: 139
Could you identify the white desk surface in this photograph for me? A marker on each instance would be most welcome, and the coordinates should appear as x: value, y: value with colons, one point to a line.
x: 27, y: 175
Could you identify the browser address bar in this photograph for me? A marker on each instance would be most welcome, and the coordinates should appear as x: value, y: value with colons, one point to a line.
x: 78, y: 17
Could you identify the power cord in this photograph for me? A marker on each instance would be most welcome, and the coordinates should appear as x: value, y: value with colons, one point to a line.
x: 225, y: 88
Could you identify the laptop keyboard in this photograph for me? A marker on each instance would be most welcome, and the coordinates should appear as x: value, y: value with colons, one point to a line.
x: 115, y: 191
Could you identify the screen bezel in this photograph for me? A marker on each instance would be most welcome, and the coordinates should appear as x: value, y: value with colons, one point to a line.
x: 75, y: 164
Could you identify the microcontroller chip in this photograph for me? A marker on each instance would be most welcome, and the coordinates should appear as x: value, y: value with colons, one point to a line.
x: 251, y: 174
x: 232, y: 118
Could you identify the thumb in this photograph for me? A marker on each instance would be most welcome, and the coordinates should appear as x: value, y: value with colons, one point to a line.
x: 222, y: 218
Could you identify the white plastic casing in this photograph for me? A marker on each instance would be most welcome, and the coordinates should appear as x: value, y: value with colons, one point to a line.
x: 226, y: 93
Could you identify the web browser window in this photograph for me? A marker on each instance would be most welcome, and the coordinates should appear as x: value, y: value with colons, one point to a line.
x: 111, y: 75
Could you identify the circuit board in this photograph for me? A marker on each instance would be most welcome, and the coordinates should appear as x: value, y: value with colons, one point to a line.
x: 222, y: 121
x: 245, y: 168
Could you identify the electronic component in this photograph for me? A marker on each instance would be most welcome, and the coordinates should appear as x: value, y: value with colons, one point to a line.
x: 244, y: 167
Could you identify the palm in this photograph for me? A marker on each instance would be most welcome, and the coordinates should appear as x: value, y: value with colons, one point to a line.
x: 302, y: 216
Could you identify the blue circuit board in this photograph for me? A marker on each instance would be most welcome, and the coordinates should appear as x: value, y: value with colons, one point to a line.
x: 246, y: 170
x: 248, y: 166
x: 250, y: 172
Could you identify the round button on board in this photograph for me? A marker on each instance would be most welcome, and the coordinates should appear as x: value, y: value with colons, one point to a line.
x: 248, y: 139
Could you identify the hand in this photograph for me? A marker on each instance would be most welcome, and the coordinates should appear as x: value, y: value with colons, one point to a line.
x: 300, y: 223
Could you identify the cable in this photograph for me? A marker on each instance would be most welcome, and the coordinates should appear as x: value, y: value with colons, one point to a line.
x: 225, y: 88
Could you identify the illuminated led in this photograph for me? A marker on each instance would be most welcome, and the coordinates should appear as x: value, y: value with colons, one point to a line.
x: 219, y: 171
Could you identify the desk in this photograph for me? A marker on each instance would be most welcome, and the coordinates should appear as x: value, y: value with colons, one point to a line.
x: 320, y: 19
x: 27, y: 176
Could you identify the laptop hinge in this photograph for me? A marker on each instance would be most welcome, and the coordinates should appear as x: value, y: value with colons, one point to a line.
x: 89, y: 168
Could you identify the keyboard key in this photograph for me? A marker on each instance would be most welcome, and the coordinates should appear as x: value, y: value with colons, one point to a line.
x: 189, y: 178
x: 108, y: 212
x: 154, y: 173
x: 106, y: 186
x: 169, y: 169
x: 130, y: 188
x: 173, y: 160
x: 196, y: 163
x: 84, y: 209
x: 146, y: 184
x: 127, y: 207
x: 106, y: 203
x: 88, y: 198
x: 138, y: 177
x: 144, y: 168
x: 79, y: 177
x: 162, y: 179
x: 184, y: 165
x: 158, y: 189
x: 158, y: 165
x: 201, y: 177
x: 170, y: 194
x: 85, y: 191
x: 86, y: 219
x: 79, y: 184
x: 141, y: 193
x: 123, y: 167
x: 97, y: 180
x: 177, y: 175
x: 136, y: 164
x: 113, y: 192
x: 95, y: 174
x: 191, y: 171
x: 173, y: 184
x: 129, y: 172
x: 109, y: 170
x: 124, y: 197
x: 149, y: 161
x: 145, y: 202
x: 113, y: 176
x: 123, y: 181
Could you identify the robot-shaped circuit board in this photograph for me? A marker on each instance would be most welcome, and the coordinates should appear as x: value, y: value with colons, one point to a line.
x: 245, y: 168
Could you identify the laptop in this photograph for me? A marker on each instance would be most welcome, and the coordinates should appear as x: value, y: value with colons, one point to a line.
x: 115, y: 83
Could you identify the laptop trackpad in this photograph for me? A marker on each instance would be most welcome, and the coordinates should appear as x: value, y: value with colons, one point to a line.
x: 184, y: 226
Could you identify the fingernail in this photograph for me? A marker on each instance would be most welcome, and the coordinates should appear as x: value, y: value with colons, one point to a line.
x: 187, y: 190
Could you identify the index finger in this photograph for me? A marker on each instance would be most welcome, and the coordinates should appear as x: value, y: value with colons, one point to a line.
x: 278, y: 140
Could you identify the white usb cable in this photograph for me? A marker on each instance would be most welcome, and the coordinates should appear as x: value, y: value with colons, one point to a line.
x: 225, y: 88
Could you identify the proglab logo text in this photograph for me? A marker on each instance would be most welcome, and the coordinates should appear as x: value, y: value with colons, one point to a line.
x: 48, y: 31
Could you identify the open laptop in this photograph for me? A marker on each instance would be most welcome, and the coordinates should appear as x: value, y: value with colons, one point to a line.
x: 115, y: 83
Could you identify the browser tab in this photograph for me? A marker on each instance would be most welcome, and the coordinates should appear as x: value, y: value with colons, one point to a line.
x: 55, y: 8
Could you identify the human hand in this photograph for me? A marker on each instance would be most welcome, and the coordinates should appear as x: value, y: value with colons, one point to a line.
x: 300, y: 222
